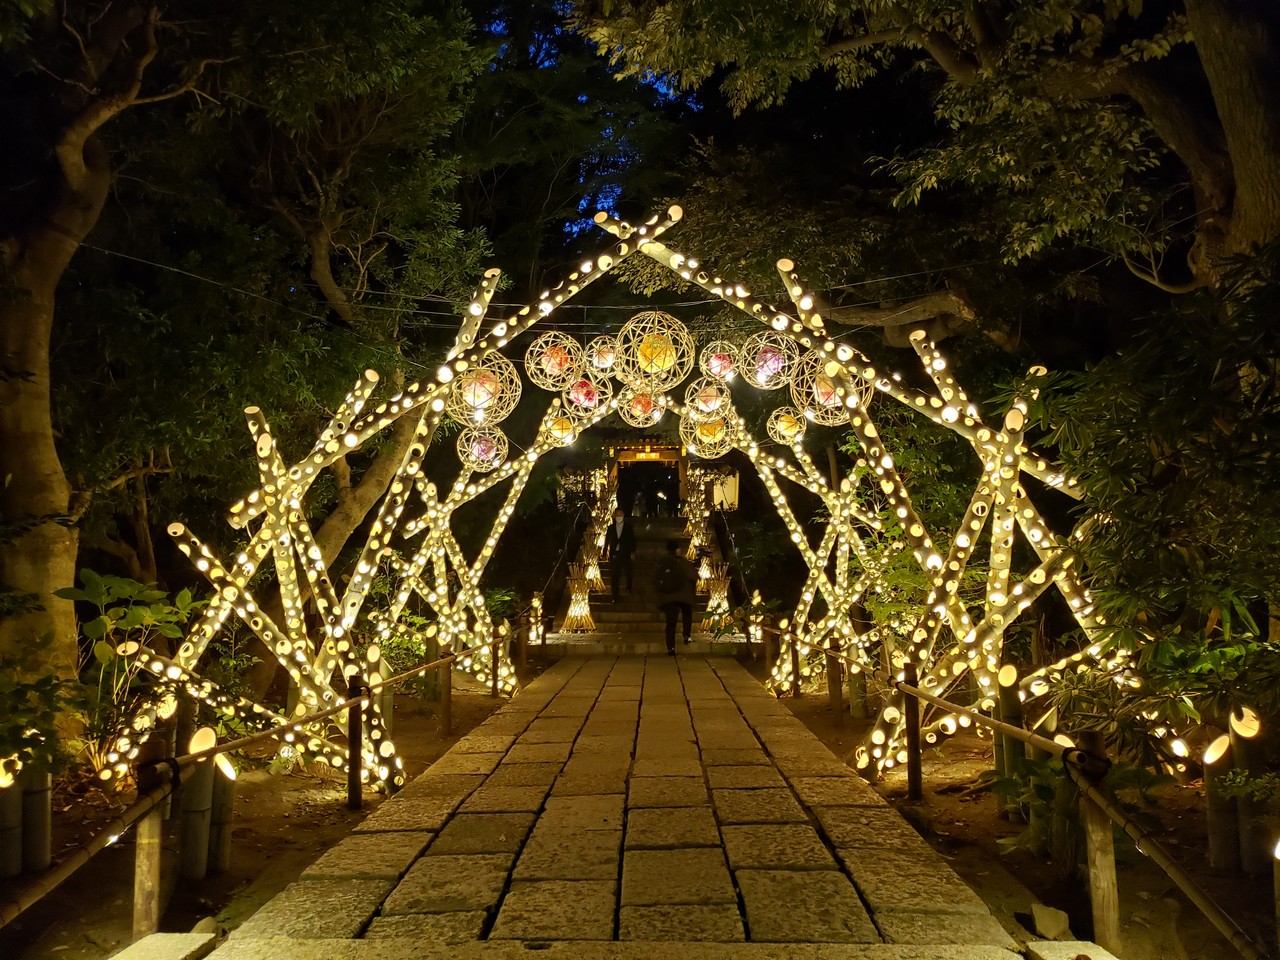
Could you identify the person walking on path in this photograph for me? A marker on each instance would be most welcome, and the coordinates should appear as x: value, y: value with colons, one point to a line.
x: 677, y: 578
x: 619, y: 545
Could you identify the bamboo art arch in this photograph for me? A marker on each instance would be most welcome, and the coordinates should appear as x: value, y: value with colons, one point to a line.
x: 825, y: 382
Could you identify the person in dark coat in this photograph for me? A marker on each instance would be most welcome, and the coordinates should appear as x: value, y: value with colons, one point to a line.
x: 619, y: 545
x: 676, y: 582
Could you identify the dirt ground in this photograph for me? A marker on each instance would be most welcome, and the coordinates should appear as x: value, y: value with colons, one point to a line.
x: 285, y: 822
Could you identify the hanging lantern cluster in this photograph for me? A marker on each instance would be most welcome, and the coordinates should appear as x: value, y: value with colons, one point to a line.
x: 708, y: 438
x: 554, y: 360
x: 601, y: 353
x: 486, y: 393
x: 587, y: 394
x: 654, y: 353
x: 815, y: 389
x: 787, y: 425
x: 707, y: 399
x: 767, y: 359
x: 719, y: 359
x: 640, y: 408
x: 482, y: 448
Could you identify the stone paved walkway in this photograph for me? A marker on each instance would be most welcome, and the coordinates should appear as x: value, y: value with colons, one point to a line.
x: 631, y: 799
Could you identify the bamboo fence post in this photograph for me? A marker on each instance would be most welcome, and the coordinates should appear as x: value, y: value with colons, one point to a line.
x: 10, y: 831
x: 794, y: 642
x: 446, y: 700
x: 1104, y: 894
x: 522, y: 639
x: 495, y: 645
x: 1220, y: 810
x: 221, y: 821
x: 37, y: 817
x: 355, y: 741
x: 1010, y: 707
x: 835, y: 683
x: 911, y: 712
x: 1248, y: 755
x: 146, y: 848
x: 197, y: 816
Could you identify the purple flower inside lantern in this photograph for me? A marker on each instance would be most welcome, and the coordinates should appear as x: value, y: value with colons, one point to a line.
x: 483, y: 448
x: 770, y: 361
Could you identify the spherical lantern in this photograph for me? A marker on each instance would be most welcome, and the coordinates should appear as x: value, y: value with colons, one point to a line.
x: 640, y: 408
x: 601, y: 352
x: 707, y: 399
x: 585, y: 395
x: 719, y: 359
x: 816, y: 389
x: 766, y: 360
x: 562, y: 430
x: 787, y: 425
x: 707, y: 438
x: 482, y: 448
x: 485, y: 393
x: 554, y: 360
x: 654, y: 353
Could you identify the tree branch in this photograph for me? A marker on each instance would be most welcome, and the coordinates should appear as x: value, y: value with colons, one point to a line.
x: 1153, y: 279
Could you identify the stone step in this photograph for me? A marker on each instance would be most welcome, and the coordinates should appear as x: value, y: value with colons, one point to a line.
x: 418, y: 948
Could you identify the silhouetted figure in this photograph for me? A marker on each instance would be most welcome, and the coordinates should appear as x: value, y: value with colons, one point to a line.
x: 675, y: 585
x: 619, y: 546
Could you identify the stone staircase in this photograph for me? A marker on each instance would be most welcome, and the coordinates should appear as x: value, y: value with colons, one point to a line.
x: 635, y: 625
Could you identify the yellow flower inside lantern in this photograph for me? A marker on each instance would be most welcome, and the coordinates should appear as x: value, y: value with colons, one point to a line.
x: 657, y: 354
x: 711, y: 432
x: 561, y: 429
x: 825, y: 392
x: 786, y: 425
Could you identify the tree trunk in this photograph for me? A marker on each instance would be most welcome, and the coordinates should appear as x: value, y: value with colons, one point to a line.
x: 1239, y: 47
x: 36, y: 492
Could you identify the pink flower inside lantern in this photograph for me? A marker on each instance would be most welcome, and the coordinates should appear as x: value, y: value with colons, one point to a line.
x: 641, y: 406
x: 484, y: 448
x: 556, y: 360
x: 719, y: 364
x: 825, y: 392
x: 584, y: 393
x: 770, y: 361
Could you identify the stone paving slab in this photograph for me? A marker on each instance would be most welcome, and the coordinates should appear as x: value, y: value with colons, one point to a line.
x: 813, y: 906
x: 369, y: 856
x: 281, y: 948
x: 659, y: 767
x: 651, y: 877
x: 585, y: 813
x: 557, y: 910
x: 865, y: 827
x: 723, y: 757
x: 892, y: 879
x: 658, y: 828
x: 412, y: 814
x: 473, y: 763
x: 911, y: 927
x: 667, y: 792
x: 791, y: 846
x: 494, y: 799
x: 317, y: 909
x: 743, y: 776
x: 715, y: 923
x: 538, y: 753
x: 525, y: 774
x: 168, y: 946
x: 482, y: 833
x: 569, y: 854
x: 762, y: 805
x: 429, y: 927
x: 450, y: 884
x: 484, y: 743
x: 836, y: 792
